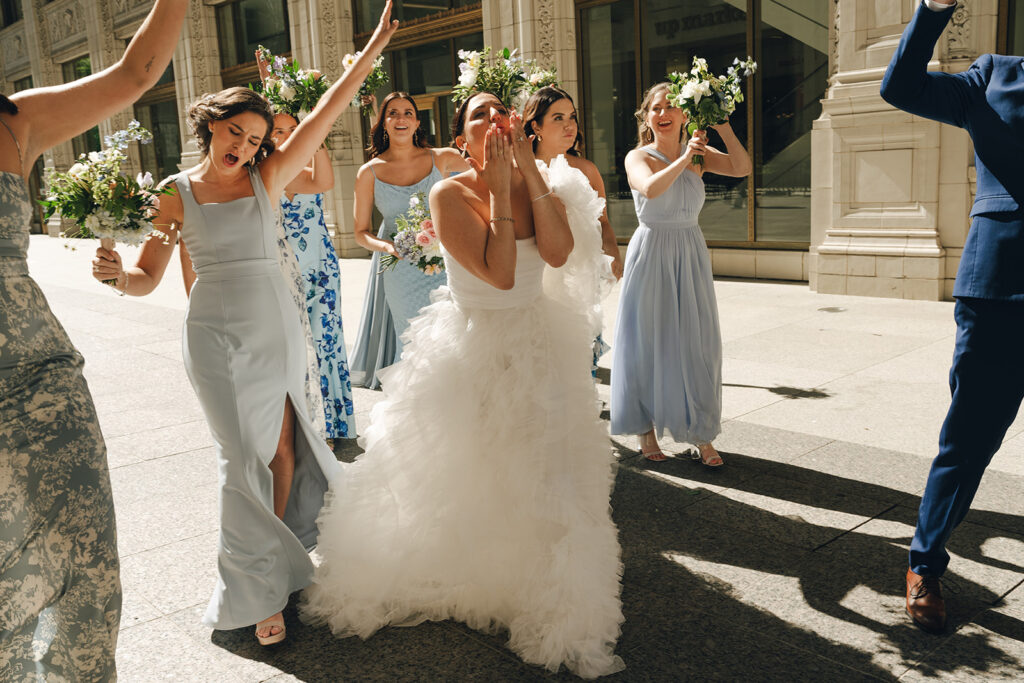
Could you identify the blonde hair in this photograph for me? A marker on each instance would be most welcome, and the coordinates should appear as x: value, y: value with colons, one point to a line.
x: 644, y: 134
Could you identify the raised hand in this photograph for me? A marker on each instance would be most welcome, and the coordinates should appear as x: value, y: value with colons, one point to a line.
x: 522, y: 145
x: 696, y: 146
x: 496, y: 169
x: 263, y: 66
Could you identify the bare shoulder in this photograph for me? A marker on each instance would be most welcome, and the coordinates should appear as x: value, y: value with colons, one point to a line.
x: 588, y: 167
x: 450, y: 160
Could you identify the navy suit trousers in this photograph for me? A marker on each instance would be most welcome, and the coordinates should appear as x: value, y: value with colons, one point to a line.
x: 987, y: 384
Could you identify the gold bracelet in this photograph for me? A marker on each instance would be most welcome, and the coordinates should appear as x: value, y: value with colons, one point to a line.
x: 542, y: 196
x: 502, y: 218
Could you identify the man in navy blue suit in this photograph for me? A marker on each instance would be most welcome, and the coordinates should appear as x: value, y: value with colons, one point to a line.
x: 987, y: 377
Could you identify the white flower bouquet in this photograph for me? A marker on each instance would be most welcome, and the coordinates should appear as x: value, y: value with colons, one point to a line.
x: 416, y: 239
x: 102, y: 201
x: 509, y: 77
x: 377, y: 78
x: 289, y: 88
x: 708, y: 100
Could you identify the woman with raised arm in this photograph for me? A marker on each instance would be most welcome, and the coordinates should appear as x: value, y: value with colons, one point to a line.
x: 550, y: 117
x: 483, y: 492
x: 243, y: 346
x: 60, y: 587
x: 667, y: 360
x: 401, y: 165
x: 305, y: 231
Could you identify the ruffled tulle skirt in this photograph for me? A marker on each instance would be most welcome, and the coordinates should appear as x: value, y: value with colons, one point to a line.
x: 483, y: 494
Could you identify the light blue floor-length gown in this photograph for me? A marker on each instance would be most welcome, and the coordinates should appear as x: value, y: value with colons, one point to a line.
x: 60, y: 586
x: 667, y: 356
x: 245, y: 354
x: 306, y: 232
x: 394, y: 296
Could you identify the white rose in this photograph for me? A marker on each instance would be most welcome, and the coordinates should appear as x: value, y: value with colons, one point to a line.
x: 468, y: 75
x: 536, y: 77
x: 688, y: 90
x: 414, y: 201
x: 286, y: 92
x: 95, y: 157
x: 145, y: 181
x: 77, y: 170
x: 92, y: 223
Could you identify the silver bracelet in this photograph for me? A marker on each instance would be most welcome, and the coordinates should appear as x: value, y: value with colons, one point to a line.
x: 542, y: 196
x: 122, y: 292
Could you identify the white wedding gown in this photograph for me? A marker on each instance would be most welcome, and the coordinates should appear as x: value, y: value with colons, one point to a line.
x: 483, y: 494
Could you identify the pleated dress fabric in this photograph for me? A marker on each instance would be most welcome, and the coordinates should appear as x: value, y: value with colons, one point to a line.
x: 245, y: 354
x: 667, y: 351
x: 60, y: 587
x: 395, y: 295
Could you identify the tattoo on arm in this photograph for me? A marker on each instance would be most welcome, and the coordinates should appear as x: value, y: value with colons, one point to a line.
x: 149, y: 64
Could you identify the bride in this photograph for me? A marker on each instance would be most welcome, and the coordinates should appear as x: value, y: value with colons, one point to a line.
x: 483, y: 494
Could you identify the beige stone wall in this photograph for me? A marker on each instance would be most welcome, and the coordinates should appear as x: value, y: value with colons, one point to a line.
x: 891, y: 192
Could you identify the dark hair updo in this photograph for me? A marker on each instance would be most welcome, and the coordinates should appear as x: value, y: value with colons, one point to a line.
x: 459, y: 123
x: 537, y: 106
x: 7, y: 107
x: 378, y: 136
x: 223, y: 105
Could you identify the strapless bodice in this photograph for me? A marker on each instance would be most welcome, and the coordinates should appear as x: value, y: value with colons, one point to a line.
x: 469, y: 291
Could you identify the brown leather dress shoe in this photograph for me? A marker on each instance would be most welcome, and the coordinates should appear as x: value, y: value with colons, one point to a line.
x: 924, y: 602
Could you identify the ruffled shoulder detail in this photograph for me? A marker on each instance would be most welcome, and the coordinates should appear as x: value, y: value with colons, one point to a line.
x: 586, y: 278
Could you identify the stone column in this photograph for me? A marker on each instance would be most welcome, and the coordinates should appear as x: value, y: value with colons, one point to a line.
x: 196, y: 71
x: 321, y: 34
x: 544, y: 31
x: 890, y: 191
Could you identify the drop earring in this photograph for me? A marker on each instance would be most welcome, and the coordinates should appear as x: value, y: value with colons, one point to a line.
x: 386, y: 136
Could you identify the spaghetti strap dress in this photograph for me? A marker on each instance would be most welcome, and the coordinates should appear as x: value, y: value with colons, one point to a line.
x: 393, y: 296
x: 667, y: 357
x: 60, y: 587
x: 245, y: 355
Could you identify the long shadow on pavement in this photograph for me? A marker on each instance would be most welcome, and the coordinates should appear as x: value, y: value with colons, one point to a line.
x: 716, y: 587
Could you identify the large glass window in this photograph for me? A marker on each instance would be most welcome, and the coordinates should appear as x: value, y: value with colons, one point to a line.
x: 625, y: 46
x: 10, y: 11
x: 368, y: 11
x: 609, y: 100
x: 89, y: 141
x: 157, y: 111
x: 793, y: 56
x: 244, y: 25
x: 1014, y: 27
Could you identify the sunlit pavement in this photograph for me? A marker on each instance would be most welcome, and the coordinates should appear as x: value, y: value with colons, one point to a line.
x: 786, y: 563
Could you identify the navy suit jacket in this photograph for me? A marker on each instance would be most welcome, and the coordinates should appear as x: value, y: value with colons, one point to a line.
x: 987, y: 100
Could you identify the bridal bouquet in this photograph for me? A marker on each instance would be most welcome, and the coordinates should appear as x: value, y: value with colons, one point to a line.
x: 377, y: 79
x: 101, y: 200
x: 290, y: 89
x: 708, y: 100
x: 510, y: 77
x: 416, y: 240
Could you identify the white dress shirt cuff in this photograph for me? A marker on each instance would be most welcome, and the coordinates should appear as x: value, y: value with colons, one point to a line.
x: 937, y: 6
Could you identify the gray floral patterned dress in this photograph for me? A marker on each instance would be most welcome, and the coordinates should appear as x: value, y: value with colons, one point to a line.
x: 60, y: 590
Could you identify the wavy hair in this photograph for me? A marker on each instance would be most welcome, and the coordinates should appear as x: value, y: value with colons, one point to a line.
x: 379, y: 142
x: 223, y: 105
x: 644, y: 134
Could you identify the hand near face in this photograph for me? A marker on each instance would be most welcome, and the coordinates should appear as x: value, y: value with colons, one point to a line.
x: 496, y: 169
x: 522, y: 145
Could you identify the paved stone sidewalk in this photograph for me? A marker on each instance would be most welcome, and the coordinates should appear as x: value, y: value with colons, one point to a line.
x: 786, y: 564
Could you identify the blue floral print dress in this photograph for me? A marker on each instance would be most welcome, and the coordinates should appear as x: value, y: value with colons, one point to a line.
x: 306, y: 232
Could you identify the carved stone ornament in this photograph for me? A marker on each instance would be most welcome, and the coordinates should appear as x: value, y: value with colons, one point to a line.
x: 65, y: 23
x: 959, y: 32
x: 545, y: 33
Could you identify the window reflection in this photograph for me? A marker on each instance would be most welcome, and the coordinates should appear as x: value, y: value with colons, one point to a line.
x: 368, y: 11
x: 793, y: 76
x: 244, y: 25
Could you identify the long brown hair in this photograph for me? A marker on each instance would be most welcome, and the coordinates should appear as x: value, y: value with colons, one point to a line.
x: 223, y: 105
x: 379, y: 142
x: 537, y: 106
x: 644, y: 134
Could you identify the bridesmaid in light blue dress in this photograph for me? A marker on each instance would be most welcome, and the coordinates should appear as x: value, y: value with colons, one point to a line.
x: 667, y: 357
x: 60, y: 583
x: 401, y: 165
x: 243, y: 343
x: 306, y: 232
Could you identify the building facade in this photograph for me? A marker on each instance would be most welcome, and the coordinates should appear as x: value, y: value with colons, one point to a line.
x: 846, y: 193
